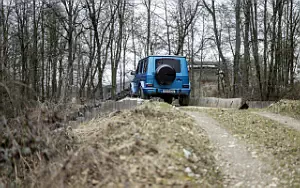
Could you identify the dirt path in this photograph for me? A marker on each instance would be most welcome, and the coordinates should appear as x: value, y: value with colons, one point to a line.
x: 288, y: 121
x: 242, y: 167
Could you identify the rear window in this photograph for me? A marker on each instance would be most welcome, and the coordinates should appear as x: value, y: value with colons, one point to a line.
x: 175, y: 63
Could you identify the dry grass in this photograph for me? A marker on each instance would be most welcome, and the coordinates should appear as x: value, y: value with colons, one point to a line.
x: 139, y: 148
x: 278, y: 145
x: 286, y: 107
x: 29, y: 143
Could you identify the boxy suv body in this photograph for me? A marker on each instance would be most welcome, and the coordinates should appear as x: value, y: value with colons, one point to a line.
x: 166, y: 77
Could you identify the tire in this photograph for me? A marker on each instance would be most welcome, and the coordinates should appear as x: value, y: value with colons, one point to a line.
x: 165, y: 74
x: 168, y: 100
x: 142, y: 95
x: 184, y: 100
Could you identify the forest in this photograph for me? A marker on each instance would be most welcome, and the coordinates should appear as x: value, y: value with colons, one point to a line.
x: 53, y: 50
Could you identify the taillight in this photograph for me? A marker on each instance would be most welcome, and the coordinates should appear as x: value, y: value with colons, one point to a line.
x: 185, y: 85
x: 149, y: 85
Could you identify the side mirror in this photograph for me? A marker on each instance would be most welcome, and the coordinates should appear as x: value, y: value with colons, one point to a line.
x: 132, y: 72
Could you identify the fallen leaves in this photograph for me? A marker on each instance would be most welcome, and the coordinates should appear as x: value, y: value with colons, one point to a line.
x: 275, y: 143
x: 153, y: 144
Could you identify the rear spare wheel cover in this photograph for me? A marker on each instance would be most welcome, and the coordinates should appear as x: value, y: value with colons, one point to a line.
x: 165, y: 74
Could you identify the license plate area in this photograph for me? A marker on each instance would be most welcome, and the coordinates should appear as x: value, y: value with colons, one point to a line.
x: 168, y: 91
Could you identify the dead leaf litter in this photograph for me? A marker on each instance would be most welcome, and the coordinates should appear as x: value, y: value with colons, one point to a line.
x: 153, y: 145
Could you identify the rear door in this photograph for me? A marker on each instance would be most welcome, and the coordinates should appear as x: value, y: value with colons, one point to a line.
x: 180, y: 66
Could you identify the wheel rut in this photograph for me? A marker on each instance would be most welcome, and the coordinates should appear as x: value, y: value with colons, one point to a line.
x: 285, y: 120
x: 241, y: 166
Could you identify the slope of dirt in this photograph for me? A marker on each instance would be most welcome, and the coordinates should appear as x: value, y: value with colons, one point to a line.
x: 152, y: 145
x: 287, y: 108
x: 240, y: 165
x: 284, y: 120
x: 275, y: 144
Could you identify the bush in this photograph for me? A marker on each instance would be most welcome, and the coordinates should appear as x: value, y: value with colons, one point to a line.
x: 27, y: 144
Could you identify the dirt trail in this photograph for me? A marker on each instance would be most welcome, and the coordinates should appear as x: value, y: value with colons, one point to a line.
x: 288, y: 121
x: 242, y: 167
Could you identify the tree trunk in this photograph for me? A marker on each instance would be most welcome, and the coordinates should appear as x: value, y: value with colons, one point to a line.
x: 271, y: 79
x: 34, y: 59
x: 92, y: 50
x: 148, y: 6
x: 254, y: 37
x: 265, y: 49
x: 246, y: 63
x: 42, y: 71
x: 133, y: 40
x: 168, y: 27
x: 278, y: 51
x: 236, y: 83
x: 117, y: 57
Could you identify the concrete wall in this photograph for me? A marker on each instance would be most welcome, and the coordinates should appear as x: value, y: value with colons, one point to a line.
x: 217, y: 102
x: 206, y: 90
x: 259, y: 104
x: 227, y: 102
x: 208, y: 85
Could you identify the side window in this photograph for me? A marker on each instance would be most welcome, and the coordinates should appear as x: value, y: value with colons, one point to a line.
x: 138, y: 68
x: 145, y: 65
x: 141, y: 67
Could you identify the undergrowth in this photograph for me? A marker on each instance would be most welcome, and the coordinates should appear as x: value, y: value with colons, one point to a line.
x: 30, y: 142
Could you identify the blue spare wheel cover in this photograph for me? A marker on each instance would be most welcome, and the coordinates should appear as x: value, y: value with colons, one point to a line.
x: 165, y: 74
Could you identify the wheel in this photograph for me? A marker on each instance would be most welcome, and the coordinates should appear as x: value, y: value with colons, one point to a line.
x: 184, y: 101
x: 168, y: 100
x: 142, y: 95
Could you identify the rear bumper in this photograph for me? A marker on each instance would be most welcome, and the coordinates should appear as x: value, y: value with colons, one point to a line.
x: 160, y: 92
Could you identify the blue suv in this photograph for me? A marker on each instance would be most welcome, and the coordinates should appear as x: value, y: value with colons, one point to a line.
x: 166, y: 77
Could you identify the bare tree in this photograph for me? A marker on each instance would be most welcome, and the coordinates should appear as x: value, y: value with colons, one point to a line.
x: 186, y: 13
x: 116, y: 50
x: 168, y: 26
x: 236, y: 65
x: 212, y: 12
x: 100, y: 33
x: 72, y: 10
x: 147, y: 3
x: 4, y: 30
x: 246, y: 61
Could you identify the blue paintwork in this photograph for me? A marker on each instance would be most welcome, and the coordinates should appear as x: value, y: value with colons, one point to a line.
x: 182, y: 78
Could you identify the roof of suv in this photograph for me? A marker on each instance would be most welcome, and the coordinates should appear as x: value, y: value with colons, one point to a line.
x: 166, y: 56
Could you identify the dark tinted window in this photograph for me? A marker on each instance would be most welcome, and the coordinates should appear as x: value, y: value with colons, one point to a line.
x: 138, y: 68
x: 175, y: 63
x: 141, y: 66
x: 145, y: 65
